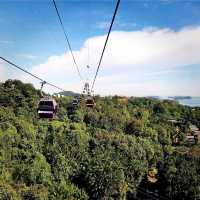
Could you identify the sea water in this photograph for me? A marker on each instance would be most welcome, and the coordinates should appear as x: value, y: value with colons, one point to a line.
x: 193, y: 102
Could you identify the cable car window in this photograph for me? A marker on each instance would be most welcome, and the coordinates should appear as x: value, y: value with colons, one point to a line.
x: 46, y: 103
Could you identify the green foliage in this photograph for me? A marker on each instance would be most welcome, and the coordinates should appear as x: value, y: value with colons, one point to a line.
x: 100, y: 153
x: 65, y: 190
x: 105, y: 177
x: 182, y: 177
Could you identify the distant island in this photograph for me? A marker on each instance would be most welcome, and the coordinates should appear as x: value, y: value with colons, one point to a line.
x: 180, y: 97
x: 67, y: 93
x: 153, y: 97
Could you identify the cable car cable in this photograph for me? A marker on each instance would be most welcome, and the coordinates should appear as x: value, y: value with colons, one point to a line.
x: 67, y: 39
x: 110, y: 28
x: 33, y: 75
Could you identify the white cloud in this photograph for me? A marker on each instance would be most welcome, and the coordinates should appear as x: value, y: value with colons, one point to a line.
x: 128, y: 59
x: 141, y: 87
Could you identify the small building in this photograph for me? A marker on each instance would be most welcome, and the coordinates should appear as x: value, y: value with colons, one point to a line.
x: 152, y: 175
x: 197, y: 137
x: 194, y: 128
x: 176, y: 141
x: 194, y: 135
x: 190, y: 139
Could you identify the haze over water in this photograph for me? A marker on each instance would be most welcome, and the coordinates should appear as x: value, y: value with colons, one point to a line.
x: 193, y: 102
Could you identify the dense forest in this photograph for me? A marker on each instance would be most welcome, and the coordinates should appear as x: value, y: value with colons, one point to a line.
x: 123, y: 149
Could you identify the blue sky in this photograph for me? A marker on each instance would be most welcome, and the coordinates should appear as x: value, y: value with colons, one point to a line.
x: 31, y: 36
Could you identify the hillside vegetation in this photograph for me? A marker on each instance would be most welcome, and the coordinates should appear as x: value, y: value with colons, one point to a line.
x: 102, y: 153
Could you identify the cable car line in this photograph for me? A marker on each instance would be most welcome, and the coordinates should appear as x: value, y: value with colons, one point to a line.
x: 110, y: 28
x: 33, y: 75
x: 67, y: 40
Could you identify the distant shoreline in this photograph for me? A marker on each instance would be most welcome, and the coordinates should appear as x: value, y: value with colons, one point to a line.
x: 192, y: 101
x: 183, y: 100
x: 179, y: 97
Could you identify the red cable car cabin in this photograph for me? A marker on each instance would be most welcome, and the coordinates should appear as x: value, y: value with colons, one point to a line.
x: 47, y: 108
x: 90, y: 103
